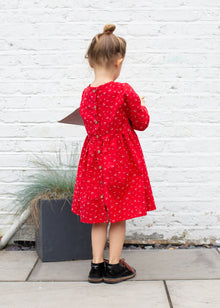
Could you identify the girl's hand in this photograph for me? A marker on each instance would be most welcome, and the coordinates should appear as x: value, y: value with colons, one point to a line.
x: 142, y: 101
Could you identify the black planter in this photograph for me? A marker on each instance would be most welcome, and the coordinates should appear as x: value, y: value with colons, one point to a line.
x: 61, y: 236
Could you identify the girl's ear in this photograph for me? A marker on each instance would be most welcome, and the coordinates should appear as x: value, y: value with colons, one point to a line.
x: 119, y: 61
x: 90, y: 64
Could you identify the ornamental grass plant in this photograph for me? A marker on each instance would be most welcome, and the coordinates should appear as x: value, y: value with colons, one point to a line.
x: 54, y: 179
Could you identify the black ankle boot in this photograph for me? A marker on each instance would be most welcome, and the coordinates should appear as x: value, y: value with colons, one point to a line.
x: 118, y: 272
x: 97, y: 271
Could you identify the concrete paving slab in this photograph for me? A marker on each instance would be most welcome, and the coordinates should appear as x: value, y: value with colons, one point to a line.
x: 74, y: 270
x: 150, y: 265
x: 127, y: 294
x: 194, y: 293
x: 16, y: 265
x: 174, y: 264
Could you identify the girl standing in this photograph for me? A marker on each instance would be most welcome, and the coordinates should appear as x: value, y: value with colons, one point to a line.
x: 112, y: 183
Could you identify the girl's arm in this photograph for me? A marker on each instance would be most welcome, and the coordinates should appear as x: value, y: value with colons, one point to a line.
x: 136, y: 112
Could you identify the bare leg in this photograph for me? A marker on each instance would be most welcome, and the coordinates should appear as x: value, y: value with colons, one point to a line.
x: 116, y: 240
x: 98, y: 237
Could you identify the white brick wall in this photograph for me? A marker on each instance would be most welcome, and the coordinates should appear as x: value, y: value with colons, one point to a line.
x: 173, y: 58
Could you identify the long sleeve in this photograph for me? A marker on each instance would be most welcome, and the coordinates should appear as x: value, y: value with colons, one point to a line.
x: 136, y: 113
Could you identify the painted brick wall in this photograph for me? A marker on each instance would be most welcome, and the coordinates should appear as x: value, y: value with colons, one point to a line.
x: 173, y: 58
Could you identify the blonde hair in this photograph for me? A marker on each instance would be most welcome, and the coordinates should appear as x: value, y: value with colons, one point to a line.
x: 105, y: 47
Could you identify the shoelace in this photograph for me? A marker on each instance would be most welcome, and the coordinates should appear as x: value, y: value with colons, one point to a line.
x: 122, y: 261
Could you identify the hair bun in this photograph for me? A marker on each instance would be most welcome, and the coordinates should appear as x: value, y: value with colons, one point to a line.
x: 109, y: 28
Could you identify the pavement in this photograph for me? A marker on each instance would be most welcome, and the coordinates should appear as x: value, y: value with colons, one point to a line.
x: 166, y: 278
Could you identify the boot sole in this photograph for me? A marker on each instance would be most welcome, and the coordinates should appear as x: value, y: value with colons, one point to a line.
x: 95, y: 280
x: 115, y: 280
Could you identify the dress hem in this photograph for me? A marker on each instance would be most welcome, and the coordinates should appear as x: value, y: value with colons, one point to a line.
x: 114, y: 220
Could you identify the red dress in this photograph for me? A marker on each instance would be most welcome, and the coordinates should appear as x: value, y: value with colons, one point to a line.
x: 112, y: 182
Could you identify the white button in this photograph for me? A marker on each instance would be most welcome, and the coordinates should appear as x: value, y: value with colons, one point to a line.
x: 98, y: 151
x: 93, y: 91
x: 97, y: 136
x: 96, y: 122
x: 100, y: 167
x: 101, y: 196
x: 95, y: 107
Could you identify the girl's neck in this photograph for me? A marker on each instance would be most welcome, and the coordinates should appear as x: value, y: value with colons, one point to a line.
x: 102, y: 76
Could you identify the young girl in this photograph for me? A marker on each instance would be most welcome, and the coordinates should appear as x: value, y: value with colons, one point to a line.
x: 112, y: 183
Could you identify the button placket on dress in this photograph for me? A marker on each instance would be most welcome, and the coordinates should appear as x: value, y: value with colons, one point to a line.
x: 100, y: 158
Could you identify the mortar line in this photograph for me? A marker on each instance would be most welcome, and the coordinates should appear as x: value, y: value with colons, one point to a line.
x: 85, y: 280
x: 168, y: 294
x: 32, y: 269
